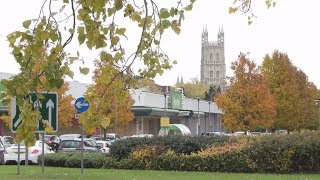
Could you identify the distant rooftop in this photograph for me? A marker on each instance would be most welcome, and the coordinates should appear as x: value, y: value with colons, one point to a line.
x: 76, y: 89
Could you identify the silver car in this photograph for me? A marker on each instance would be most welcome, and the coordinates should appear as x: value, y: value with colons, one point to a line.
x: 74, y: 145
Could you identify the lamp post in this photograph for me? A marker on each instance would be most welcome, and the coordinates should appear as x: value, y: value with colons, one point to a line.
x: 198, y: 128
x: 165, y: 104
x: 210, y: 123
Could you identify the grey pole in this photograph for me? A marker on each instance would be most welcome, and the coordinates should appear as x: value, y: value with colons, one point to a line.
x: 198, y: 119
x: 82, y: 149
x: 42, y: 164
x: 210, y: 123
x: 165, y: 104
x: 18, y: 163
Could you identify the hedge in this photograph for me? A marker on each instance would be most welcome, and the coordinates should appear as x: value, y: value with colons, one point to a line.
x: 179, y: 144
x: 296, y: 152
x: 73, y: 160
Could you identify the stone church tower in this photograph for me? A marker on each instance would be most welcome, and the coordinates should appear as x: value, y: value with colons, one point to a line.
x: 213, y: 66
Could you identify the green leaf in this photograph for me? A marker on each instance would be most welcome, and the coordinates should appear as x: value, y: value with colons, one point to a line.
x: 165, y: 24
x: 26, y: 24
x: 81, y: 35
x: 65, y: 1
x: 121, y: 31
x: 164, y: 14
x: 70, y: 74
x: 84, y: 70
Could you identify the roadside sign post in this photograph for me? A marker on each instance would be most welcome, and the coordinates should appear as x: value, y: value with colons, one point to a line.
x: 48, y: 108
x: 81, y: 105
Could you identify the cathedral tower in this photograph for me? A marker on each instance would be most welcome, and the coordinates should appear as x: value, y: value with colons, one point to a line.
x: 213, y: 66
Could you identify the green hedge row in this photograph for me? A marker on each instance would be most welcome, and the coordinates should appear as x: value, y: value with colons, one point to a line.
x: 296, y: 152
x: 179, y: 144
x: 229, y: 162
x: 73, y: 160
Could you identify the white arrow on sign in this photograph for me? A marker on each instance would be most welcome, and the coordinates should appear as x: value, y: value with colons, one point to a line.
x: 79, y: 104
x: 14, y: 112
x: 50, y: 105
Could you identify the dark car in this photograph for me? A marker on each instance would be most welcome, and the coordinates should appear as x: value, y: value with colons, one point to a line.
x: 74, y: 145
x: 53, y: 141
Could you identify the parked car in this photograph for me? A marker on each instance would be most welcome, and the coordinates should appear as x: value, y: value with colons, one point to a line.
x: 7, y: 141
x: 104, y: 146
x: 112, y: 136
x: 69, y: 136
x: 53, y: 141
x: 143, y: 136
x: 96, y: 138
x: 11, y: 153
x: 2, y: 148
x: 213, y: 134
x: 74, y: 145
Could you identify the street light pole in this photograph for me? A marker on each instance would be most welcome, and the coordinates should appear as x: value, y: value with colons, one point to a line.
x: 210, y: 123
x: 165, y: 104
x: 198, y: 118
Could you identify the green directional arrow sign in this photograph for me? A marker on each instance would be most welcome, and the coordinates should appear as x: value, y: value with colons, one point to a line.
x: 48, y: 107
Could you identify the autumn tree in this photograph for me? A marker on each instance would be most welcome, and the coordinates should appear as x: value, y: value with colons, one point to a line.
x: 97, y: 25
x: 249, y: 104
x: 110, y: 106
x: 293, y: 93
x: 193, y: 89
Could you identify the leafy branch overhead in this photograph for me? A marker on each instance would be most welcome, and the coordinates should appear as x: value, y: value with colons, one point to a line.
x: 42, y: 47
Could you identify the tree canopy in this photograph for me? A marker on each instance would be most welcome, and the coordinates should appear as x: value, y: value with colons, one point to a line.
x: 41, y: 47
x: 294, y: 94
x: 249, y: 104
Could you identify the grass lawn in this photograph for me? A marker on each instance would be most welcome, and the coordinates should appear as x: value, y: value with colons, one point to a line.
x: 35, y: 172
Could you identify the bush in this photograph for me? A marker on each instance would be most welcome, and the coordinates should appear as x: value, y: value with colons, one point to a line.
x: 296, y: 152
x: 179, y: 144
x: 90, y: 160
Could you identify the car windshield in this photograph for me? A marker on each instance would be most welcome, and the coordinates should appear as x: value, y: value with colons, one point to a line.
x: 90, y: 143
x: 100, y: 145
x: 70, y: 144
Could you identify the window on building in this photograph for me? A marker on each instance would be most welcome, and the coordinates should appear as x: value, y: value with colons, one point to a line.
x: 217, y: 74
x: 211, y: 56
x: 217, y: 55
x: 211, y: 74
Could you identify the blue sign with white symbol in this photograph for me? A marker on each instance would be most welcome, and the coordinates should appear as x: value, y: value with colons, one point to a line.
x: 81, y: 104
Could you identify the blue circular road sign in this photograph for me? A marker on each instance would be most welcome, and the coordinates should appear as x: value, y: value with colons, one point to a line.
x: 81, y: 104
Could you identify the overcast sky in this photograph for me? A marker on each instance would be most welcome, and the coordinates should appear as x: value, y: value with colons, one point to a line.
x: 291, y: 27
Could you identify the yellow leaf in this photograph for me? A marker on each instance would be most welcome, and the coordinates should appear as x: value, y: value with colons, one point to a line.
x: 105, y: 122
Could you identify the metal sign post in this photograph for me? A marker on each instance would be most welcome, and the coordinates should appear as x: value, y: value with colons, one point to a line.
x: 42, y: 160
x: 81, y: 105
x: 18, y: 163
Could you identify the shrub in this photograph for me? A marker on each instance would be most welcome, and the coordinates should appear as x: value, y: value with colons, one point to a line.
x: 179, y: 144
x: 90, y: 160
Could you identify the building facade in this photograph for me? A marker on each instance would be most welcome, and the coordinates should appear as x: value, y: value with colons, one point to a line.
x: 198, y: 115
x: 213, y: 66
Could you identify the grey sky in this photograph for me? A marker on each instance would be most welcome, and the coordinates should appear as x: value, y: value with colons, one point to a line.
x: 291, y: 27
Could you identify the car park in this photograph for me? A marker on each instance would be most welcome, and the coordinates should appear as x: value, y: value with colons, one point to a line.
x: 11, y: 153
x: 74, y: 145
x: 104, y: 146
